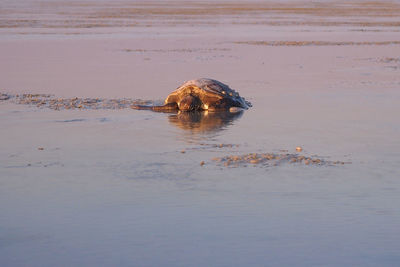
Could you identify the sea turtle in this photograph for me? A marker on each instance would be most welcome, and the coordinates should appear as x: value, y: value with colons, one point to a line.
x: 201, y: 94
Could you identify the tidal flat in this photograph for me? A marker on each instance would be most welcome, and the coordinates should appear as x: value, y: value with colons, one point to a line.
x: 308, y: 176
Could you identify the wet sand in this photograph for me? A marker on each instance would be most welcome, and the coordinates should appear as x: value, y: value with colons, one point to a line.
x: 99, y: 183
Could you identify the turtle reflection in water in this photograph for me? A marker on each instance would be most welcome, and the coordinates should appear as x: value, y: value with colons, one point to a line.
x: 203, y: 121
x: 201, y: 94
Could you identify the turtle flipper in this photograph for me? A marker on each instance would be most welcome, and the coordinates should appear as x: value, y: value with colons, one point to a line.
x: 163, y: 108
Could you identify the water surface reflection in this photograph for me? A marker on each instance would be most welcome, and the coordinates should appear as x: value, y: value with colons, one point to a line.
x: 203, y: 124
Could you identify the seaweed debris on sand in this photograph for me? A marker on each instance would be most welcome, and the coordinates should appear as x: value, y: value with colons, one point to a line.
x: 51, y: 102
x: 272, y: 159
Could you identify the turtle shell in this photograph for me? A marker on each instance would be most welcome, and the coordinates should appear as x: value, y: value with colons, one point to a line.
x: 209, y: 91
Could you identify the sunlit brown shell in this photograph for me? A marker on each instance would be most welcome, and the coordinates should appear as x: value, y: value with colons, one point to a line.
x: 208, y: 91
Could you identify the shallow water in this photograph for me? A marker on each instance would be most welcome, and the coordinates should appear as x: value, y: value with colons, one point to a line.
x: 99, y: 193
x: 126, y: 187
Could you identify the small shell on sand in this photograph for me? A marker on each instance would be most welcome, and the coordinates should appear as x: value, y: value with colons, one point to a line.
x: 4, y: 96
x: 202, y: 163
x: 299, y: 149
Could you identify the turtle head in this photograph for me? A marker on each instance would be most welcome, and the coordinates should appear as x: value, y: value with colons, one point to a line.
x: 189, y: 103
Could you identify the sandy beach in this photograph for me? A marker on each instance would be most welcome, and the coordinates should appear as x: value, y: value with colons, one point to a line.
x: 85, y: 180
